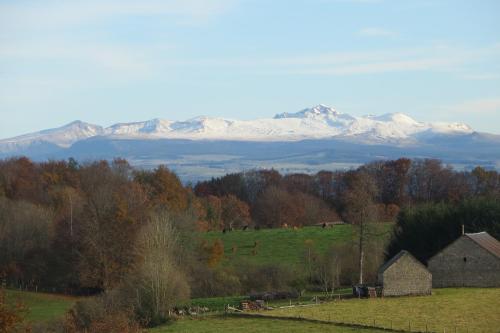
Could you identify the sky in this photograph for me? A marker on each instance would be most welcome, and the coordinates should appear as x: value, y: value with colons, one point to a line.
x: 110, y: 61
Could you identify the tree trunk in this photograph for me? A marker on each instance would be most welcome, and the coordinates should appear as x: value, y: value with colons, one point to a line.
x: 361, y: 252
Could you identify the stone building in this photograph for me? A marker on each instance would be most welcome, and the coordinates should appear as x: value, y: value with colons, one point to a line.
x: 473, y: 260
x: 404, y: 275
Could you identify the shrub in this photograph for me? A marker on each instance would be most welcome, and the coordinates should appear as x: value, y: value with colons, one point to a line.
x: 218, y: 281
x: 12, y: 315
x: 268, y: 277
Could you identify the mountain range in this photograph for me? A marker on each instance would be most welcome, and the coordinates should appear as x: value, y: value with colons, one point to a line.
x: 304, y: 141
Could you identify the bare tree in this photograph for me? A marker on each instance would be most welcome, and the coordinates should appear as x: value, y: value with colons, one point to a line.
x: 359, y: 209
x: 328, y: 271
x: 161, y: 282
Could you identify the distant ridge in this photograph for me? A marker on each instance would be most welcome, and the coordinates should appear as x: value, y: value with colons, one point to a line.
x: 313, y: 139
x: 318, y: 122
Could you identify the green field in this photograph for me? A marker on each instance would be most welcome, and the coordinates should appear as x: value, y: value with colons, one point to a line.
x: 450, y: 310
x: 42, y: 306
x: 286, y: 246
x: 216, y: 324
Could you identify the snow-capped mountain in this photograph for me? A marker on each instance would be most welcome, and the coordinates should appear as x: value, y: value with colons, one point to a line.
x: 63, y: 136
x: 319, y: 122
x: 313, y: 139
x: 314, y: 123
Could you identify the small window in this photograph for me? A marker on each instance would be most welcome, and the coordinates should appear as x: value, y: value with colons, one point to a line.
x: 465, y: 259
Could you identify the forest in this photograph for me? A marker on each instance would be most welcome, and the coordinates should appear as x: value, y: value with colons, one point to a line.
x: 134, y: 236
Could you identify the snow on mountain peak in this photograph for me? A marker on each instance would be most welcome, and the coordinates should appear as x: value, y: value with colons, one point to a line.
x: 319, y: 111
x: 452, y: 128
x: 318, y: 122
x: 63, y: 136
x: 397, y: 117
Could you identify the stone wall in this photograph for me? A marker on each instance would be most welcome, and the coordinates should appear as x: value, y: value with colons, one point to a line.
x: 406, y: 276
x: 465, y: 264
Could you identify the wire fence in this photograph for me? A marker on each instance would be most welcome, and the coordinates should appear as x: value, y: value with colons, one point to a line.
x: 392, y: 325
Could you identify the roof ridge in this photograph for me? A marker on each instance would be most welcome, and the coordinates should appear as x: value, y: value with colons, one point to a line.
x: 400, y: 254
x: 486, y: 241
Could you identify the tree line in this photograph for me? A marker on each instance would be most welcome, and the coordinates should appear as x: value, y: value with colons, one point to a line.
x: 301, y: 199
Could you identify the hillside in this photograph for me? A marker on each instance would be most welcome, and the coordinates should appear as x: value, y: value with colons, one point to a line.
x: 285, y: 246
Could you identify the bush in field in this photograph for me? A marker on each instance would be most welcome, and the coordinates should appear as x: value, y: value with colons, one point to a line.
x: 215, y: 253
x: 105, y: 313
x: 11, y: 316
x: 268, y: 277
x: 218, y: 281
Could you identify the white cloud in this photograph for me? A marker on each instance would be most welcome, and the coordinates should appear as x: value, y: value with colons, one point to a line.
x: 377, y: 32
x: 483, y: 106
x: 120, y: 60
x: 58, y: 14
x: 438, y: 58
x: 382, y: 67
x: 355, y: 1
x: 481, y: 76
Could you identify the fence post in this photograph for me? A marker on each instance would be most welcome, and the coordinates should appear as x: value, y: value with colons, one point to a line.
x: 409, y: 326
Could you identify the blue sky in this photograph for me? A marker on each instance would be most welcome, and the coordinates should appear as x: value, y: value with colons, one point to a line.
x: 119, y: 60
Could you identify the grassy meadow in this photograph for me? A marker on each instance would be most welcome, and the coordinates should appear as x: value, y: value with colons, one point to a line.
x: 447, y: 310
x: 216, y: 324
x: 285, y: 246
x: 42, y: 306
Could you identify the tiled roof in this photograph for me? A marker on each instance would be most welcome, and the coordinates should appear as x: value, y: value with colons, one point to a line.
x: 486, y: 241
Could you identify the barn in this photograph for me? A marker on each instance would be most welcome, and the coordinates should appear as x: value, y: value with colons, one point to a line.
x: 473, y: 260
x: 404, y: 275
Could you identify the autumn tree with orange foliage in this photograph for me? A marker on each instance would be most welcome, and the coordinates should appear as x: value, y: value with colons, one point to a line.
x: 163, y: 188
x: 213, y: 210
x: 113, y: 214
x: 235, y: 213
x: 216, y: 253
